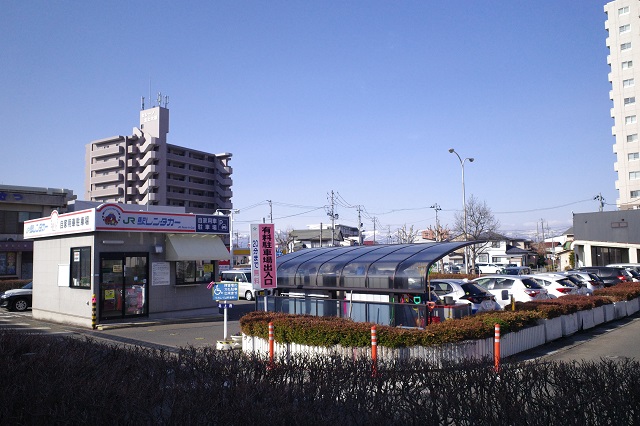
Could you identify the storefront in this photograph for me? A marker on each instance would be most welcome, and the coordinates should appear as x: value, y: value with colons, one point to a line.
x: 132, y: 263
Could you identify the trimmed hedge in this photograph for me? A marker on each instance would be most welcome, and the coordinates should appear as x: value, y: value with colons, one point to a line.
x: 330, y: 331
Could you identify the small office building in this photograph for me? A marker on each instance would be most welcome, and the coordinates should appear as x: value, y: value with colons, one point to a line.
x: 132, y: 261
x: 602, y: 238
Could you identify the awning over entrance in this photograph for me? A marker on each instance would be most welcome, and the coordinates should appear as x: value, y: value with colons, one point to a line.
x: 195, y: 247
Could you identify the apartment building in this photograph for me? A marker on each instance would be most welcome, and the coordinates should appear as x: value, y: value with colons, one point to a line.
x: 143, y: 168
x: 623, y: 41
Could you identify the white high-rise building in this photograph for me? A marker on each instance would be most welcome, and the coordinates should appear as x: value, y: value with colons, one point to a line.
x: 623, y: 41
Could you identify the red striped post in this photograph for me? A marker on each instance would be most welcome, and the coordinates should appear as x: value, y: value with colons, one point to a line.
x: 271, y: 340
x: 374, y: 349
x: 496, y: 349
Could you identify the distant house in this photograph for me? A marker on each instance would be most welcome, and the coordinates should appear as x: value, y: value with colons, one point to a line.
x: 342, y: 236
x: 504, y: 250
x: 310, y: 238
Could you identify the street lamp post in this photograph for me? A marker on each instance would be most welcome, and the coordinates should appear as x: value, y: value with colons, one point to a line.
x: 231, y: 212
x: 464, y: 205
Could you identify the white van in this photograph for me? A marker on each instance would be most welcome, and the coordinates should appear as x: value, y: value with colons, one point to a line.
x: 243, y: 278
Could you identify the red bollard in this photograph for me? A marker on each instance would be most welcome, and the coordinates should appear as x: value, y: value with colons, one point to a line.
x: 271, y: 340
x: 496, y: 349
x: 374, y: 350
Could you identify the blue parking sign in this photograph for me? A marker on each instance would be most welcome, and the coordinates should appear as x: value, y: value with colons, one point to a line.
x: 225, y: 291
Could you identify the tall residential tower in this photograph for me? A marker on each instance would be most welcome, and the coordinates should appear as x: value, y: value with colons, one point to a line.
x: 144, y: 169
x: 623, y: 41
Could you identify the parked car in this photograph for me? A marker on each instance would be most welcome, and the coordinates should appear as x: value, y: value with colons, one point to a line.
x: 610, y: 276
x: 488, y: 268
x: 18, y: 299
x: 632, y: 274
x: 462, y: 291
x: 592, y: 281
x: 635, y: 266
x: 516, y: 270
x: 558, y: 285
x: 521, y: 288
x: 243, y: 278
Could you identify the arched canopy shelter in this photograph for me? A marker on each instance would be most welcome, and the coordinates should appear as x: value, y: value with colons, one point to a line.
x: 379, y: 269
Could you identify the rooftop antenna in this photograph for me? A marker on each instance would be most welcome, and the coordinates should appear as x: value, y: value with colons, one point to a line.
x: 159, y: 99
x: 143, y: 103
x: 166, y: 101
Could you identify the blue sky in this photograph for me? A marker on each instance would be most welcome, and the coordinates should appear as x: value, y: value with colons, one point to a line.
x: 363, y: 98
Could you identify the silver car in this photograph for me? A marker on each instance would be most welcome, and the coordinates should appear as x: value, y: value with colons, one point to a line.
x: 462, y: 291
x: 506, y: 287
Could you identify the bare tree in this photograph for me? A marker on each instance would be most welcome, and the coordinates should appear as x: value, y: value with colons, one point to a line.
x: 481, y: 225
x: 406, y: 236
x: 284, y: 239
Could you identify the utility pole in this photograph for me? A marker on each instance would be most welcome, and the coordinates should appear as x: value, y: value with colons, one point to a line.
x: 600, y: 200
x: 374, y: 231
x: 437, y: 208
x: 359, y: 226
x: 333, y: 217
x: 270, y: 211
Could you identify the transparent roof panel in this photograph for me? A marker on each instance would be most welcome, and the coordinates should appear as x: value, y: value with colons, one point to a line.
x: 397, y: 266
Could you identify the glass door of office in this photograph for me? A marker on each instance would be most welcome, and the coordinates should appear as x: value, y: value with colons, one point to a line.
x: 123, y: 285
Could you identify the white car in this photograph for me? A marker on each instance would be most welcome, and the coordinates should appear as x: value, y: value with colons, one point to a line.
x: 243, y: 278
x: 591, y: 281
x: 558, y: 285
x: 489, y: 268
x: 463, y: 291
x: 503, y: 287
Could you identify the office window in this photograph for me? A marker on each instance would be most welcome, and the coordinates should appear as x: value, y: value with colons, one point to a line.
x: 633, y: 156
x: 635, y: 194
x: 634, y: 175
x: 623, y: 10
x: 630, y: 82
x: 625, y: 46
x: 629, y: 101
x: 630, y: 119
x: 627, y: 65
x: 625, y: 28
x: 632, y: 138
x: 80, y: 267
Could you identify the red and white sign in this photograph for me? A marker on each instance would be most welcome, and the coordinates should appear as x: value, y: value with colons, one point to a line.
x: 263, y: 256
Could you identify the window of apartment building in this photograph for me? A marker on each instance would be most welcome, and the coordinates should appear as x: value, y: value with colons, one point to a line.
x: 630, y: 100
x: 630, y: 82
x: 633, y: 156
x: 632, y: 138
x: 630, y: 119
x: 80, y: 267
x: 627, y: 64
x: 634, y: 175
x: 625, y: 46
x: 635, y: 194
x: 625, y: 28
x: 623, y: 10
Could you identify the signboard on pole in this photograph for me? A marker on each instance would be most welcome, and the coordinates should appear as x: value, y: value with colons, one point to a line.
x: 225, y: 291
x: 263, y: 256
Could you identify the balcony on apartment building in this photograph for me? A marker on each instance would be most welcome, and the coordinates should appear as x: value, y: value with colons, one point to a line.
x: 106, y: 165
x: 100, y: 179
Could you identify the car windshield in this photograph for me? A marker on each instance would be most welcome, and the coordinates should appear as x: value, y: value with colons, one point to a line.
x: 28, y: 285
x: 529, y: 283
x: 473, y: 289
